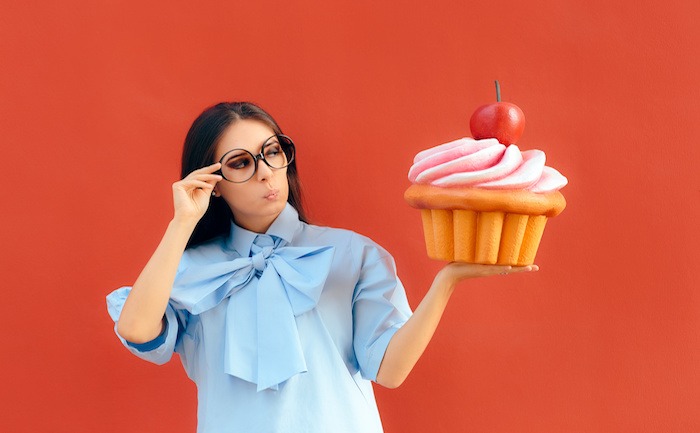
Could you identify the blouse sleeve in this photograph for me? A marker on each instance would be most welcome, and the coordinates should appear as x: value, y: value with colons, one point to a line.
x: 380, y: 308
x: 160, y: 350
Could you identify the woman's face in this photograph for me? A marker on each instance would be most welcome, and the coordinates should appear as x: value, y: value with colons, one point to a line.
x: 256, y: 203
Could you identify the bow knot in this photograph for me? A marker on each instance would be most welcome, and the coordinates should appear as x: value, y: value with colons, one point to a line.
x: 261, y: 249
x: 261, y: 339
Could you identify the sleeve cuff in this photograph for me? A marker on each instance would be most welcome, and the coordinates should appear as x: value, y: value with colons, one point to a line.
x: 376, y: 354
x: 153, y: 344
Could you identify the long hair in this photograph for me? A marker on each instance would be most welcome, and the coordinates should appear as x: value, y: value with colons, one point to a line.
x: 198, y: 151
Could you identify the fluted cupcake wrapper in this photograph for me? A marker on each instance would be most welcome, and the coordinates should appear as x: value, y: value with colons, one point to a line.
x: 482, y: 237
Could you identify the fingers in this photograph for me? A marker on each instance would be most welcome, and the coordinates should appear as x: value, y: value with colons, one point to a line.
x: 459, y: 271
x: 205, y: 177
x: 205, y: 170
x: 517, y: 269
x: 201, y: 178
x: 195, y: 183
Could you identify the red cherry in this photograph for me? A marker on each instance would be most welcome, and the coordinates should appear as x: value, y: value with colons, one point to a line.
x: 500, y: 120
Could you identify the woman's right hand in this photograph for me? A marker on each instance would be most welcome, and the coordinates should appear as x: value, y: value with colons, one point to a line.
x: 191, y: 195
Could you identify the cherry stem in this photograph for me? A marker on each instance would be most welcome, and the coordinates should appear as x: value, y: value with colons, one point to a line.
x: 498, y: 92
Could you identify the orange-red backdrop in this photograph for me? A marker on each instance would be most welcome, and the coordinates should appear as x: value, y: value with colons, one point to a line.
x: 95, y: 100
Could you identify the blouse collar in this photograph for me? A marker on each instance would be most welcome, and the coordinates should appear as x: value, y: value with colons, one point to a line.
x: 284, y: 226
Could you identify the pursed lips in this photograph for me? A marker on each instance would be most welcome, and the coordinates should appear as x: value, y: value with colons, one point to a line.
x: 272, y: 193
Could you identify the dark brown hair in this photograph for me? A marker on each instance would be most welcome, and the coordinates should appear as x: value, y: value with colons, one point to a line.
x: 198, y: 152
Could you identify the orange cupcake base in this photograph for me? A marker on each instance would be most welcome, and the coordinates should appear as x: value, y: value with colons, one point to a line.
x: 481, y: 226
x: 482, y: 237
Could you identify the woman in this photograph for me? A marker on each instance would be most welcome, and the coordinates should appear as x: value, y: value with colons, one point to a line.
x: 281, y: 324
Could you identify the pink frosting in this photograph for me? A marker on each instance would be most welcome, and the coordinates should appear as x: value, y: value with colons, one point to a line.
x: 485, y: 164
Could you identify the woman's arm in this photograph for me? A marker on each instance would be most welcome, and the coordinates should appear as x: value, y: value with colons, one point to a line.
x: 141, y: 319
x: 409, y: 342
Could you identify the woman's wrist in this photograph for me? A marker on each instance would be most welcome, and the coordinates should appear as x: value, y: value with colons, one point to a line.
x: 445, y: 281
x: 180, y: 230
x: 183, y: 222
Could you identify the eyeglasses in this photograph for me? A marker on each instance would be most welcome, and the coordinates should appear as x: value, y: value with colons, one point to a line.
x: 239, y: 165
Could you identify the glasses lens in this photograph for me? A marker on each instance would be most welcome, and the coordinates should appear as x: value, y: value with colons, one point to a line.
x: 239, y: 166
x: 279, y: 151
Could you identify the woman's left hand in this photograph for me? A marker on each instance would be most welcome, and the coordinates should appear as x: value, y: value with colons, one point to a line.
x: 456, y: 271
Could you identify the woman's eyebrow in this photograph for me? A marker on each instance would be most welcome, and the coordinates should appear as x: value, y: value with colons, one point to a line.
x: 269, y: 140
x: 264, y: 142
x: 258, y: 149
x: 233, y: 152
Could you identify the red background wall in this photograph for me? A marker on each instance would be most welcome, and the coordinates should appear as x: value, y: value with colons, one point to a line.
x: 95, y: 100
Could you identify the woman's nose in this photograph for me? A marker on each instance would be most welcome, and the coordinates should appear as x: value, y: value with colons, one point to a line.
x: 264, y: 171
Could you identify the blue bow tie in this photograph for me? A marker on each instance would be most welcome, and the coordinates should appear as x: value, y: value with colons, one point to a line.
x: 262, y: 343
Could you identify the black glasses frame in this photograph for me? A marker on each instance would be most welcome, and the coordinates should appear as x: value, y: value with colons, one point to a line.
x: 288, y: 149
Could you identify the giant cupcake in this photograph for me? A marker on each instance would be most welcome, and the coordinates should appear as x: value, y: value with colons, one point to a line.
x: 483, y: 201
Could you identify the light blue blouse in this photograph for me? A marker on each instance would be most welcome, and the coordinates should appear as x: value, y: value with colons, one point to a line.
x: 281, y: 332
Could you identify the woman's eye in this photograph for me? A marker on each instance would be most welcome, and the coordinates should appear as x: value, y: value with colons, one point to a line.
x: 272, y: 151
x: 238, y: 163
